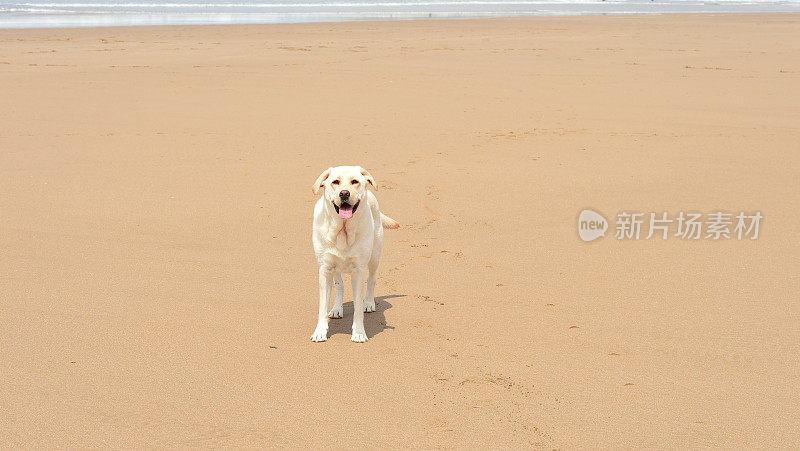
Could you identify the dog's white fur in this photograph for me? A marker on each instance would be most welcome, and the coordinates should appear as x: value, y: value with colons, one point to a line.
x: 347, y: 245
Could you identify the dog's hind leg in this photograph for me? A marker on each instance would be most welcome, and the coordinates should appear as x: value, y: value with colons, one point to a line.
x: 374, y: 260
x: 337, y: 310
x: 369, y: 299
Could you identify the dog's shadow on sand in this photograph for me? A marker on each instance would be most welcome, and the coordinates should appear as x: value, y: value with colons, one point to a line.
x: 374, y: 322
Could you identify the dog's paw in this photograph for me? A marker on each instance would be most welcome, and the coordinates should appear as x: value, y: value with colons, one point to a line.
x: 336, y: 312
x: 359, y: 335
x: 320, y: 334
x: 369, y: 305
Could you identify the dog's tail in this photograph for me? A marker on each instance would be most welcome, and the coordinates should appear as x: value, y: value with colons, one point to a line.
x: 389, y: 223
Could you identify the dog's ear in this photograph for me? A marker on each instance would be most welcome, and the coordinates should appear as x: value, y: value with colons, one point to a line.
x: 320, y: 180
x: 370, y: 179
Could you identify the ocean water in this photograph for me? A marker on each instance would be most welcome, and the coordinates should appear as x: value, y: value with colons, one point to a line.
x: 86, y: 13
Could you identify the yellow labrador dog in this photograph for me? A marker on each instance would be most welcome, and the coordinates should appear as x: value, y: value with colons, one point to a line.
x: 348, y: 237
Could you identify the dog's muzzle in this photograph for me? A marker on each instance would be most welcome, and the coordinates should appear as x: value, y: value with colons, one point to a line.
x: 345, y: 210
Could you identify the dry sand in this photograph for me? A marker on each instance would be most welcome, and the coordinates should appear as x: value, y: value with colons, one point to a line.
x: 158, y: 282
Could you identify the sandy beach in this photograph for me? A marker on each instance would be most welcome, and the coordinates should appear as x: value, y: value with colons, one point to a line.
x: 158, y: 286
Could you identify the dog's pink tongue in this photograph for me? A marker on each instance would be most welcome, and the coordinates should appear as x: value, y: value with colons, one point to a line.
x: 346, y: 212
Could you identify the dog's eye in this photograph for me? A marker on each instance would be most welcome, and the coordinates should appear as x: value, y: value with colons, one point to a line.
x: 354, y: 182
x: 335, y: 182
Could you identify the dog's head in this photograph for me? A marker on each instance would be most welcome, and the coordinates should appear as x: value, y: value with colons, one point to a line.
x: 344, y: 187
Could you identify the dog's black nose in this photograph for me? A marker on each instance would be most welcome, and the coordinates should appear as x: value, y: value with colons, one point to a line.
x: 344, y: 194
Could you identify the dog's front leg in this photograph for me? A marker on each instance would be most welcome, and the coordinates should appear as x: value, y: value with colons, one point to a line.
x: 359, y: 335
x: 325, y: 285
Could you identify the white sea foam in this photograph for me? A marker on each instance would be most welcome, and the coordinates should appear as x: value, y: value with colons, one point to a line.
x: 156, y: 5
x: 16, y: 13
